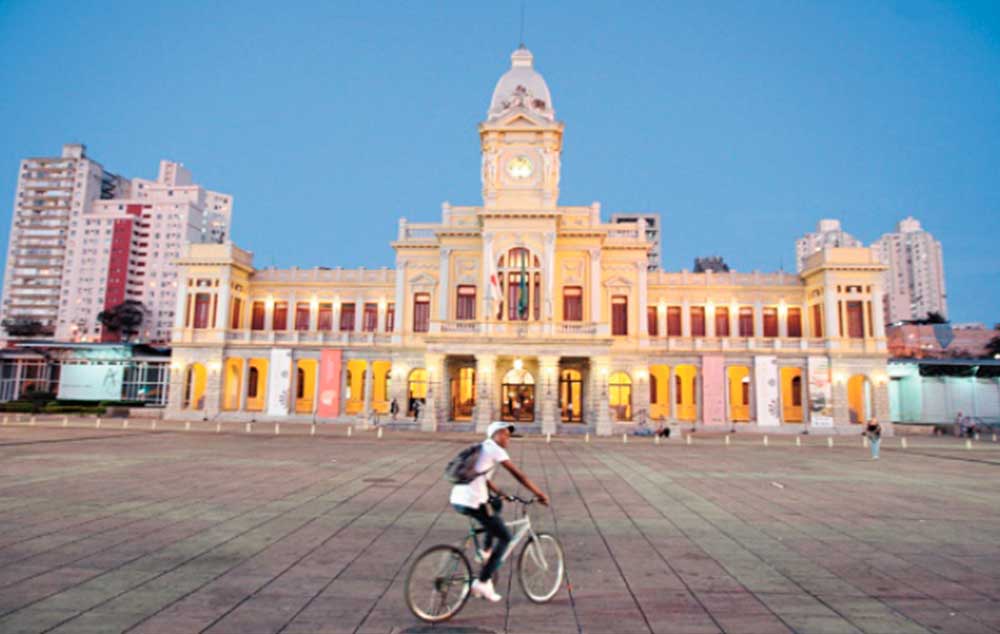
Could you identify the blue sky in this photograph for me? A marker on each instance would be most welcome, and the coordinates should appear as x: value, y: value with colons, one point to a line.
x: 742, y: 123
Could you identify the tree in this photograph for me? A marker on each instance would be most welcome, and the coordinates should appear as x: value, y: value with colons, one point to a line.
x: 23, y: 327
x: 125, y: 318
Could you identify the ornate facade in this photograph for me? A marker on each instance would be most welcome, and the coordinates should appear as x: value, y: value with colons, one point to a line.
x: 525, y: 310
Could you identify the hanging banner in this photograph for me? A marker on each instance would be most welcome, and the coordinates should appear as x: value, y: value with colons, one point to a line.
x: 329, y: 384
x: 820, y: 392
x: 280, y: 385
x: 713, y: 393
x: 765, y: 375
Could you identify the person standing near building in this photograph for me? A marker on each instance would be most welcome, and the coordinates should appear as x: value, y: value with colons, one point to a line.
x: 874, y: 432
x: 394, y: 409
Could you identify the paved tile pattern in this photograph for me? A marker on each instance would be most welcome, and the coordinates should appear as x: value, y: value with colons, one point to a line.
x: 118, y: 530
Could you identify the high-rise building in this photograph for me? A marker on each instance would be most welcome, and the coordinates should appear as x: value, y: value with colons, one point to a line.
x: 84, y: 240
x: 126, y: 249
x: 52, y: 193
x: 828, y: 234
x: 650, y: 224
x: 914, y: 282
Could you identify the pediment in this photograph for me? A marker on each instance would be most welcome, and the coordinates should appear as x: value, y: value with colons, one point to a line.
x: 520, y: 118
x: 423, y: 280
x: 618, y: 282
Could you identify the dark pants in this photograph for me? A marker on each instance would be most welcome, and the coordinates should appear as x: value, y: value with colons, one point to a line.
x: 496, y: 531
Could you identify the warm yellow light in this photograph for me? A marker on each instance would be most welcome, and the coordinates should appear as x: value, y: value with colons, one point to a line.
x: 604, y: 372
x: 518, y: 364
x: 641, y: 375
x: 176, y: 365
x: 840, y: 377
x: 214, y: 366
x: 709, y: 306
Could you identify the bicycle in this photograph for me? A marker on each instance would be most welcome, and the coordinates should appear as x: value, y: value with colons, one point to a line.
x: 445, y: 571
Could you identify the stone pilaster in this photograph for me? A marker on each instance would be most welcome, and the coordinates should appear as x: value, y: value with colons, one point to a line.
x: 548, y: 394
x: 486, y: 389
x: 433, y: 411
x: 600, y: 368
x: 368, y: 387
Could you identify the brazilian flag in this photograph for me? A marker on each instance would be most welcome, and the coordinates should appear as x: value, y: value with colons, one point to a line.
x: 522, y: 301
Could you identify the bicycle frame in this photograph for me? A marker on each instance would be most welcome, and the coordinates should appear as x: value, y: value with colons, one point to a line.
x: 519, y: 529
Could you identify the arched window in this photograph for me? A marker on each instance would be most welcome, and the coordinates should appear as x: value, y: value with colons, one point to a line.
x: 520, y: 277
x: 252, y: 381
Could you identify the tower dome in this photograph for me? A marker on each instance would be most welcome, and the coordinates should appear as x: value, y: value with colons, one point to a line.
x: 521, y: 87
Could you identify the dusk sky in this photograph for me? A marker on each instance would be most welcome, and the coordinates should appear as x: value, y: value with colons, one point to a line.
x: 741, y: 123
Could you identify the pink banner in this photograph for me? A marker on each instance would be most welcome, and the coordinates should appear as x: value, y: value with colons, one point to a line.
x: 329, y: 384
x: 713, y: 390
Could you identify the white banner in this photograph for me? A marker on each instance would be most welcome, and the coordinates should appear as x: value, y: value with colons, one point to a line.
x: 91, y: 382
x: 820, y: 392
x: 765, y: 375
x: 279, y: 385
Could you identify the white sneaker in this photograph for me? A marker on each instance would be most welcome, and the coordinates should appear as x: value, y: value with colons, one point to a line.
x: 484, y: 590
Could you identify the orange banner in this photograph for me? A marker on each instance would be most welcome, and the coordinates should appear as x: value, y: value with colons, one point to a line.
x: 329, y: 384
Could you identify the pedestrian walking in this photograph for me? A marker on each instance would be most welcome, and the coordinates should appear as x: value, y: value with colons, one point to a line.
x: 393, y: 409
x: 874, y: 432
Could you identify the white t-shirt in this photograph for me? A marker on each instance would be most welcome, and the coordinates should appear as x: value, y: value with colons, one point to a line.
x: 476, y: 493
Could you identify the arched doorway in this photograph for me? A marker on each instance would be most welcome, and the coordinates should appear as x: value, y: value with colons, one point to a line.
x: 571, y: 396
x: 382, y: 386
x: 463, y: 393
x: 518, y: 396
x: 195, y: 380
x: 859, y: 398
x: 620, y: 396
x: 256, y: 385
x: 791, y: 395
x: 306, y: 372
x: 416, y: 389
x: 739, y: 393
x: 357, y: 376
x: 659, y: 392
x: 687, y: 405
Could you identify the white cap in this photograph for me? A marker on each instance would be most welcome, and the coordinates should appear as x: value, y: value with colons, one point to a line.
x: 496, y: 426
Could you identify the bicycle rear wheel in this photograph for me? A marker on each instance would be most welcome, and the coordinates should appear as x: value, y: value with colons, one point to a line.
x: 541, y: 568
x: 438, y: 583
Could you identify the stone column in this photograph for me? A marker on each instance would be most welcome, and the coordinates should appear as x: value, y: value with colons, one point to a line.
x: 368, y: 387
x: 549, y: 393
x: 343, y: 385
x: 595, y: 291
x: 313, y: 315
x: 782, y: 321
x: 758, y: 319
x: 734, y: 320
x: 241, y: 398
x: 878, y: 314
x: 709, y: 319
x: 486, y: 388
x: 661, y: 319
x: 550, y: 270
x: 685, y: 318
x: 337, y: 306
x: 269, y: 314
x: 444, y: 286
x: 640, y: 395
x: 224, y: 298
x: 601, y: 368
x: 213, y: 384
x: 831, y: 316
x: 398, y: 317
x: 672, y: 395
x: 293, y: 303
x: 431, y: 414
x: 641, y: 295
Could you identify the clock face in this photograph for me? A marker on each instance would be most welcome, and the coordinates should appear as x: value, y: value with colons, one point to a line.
x: 520, y: 167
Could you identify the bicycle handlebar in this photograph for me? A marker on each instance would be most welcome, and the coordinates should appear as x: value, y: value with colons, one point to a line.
x: 514, y: 498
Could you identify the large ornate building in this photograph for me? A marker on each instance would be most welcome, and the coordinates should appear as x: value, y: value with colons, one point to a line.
x: 525, y: 310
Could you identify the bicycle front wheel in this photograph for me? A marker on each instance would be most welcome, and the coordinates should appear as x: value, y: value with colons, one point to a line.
x: 438, y: 584
x: 540, y: 567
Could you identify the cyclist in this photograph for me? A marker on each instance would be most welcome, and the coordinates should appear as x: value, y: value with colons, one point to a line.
x: 472, y: 499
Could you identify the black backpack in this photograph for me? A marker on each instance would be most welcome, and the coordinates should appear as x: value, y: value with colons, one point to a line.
x: 462, y: 468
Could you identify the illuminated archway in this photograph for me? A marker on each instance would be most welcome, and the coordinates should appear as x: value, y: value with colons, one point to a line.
x: 382, y: 375
x: 684, y: 392
x: 233, y: 384
x: 306, y: 372
x: 571, y: 396
x: 739, y: 393
x: 195, y: 381
x: 659, y: 392
x: 256, y: 397
x: 791, y: 395
x: 463, y: 393
x: 859, y: 398
x: 357, y: 375
x: 416, y: 389
x: 518, y: 394
x: 620, y: 396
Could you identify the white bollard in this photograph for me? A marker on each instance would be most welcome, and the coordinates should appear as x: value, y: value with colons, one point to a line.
x: 548, y: 437
x: 152, y: 425
x: 586, y: 436
x: 125, y: 424
x: 248, y: 428
x: 829, y: 441
x: 656, y: 439
x: 65, y: 421
x: 798, y: 441
x: 864, y: 441
x: 994, y: 435
x: 902, y: 442
x: 624, y: 438
x: 277, y: 429
x: 218, y: 427
x: 379, y: 432
x: 977, y: 435
x: 765, y: 440
x: 312, y: 430
x: 727, y: 439
x: 5, y: 422
x: 687, y: 439
x: 349, y: 429
x: 31, y: 421
x: 187, y: 426
x: 968, y: 443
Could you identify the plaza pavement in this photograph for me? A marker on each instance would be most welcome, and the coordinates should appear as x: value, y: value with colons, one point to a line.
x: 111, y: 529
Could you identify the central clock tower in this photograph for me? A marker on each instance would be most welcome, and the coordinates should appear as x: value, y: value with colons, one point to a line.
x: 521, y: 141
